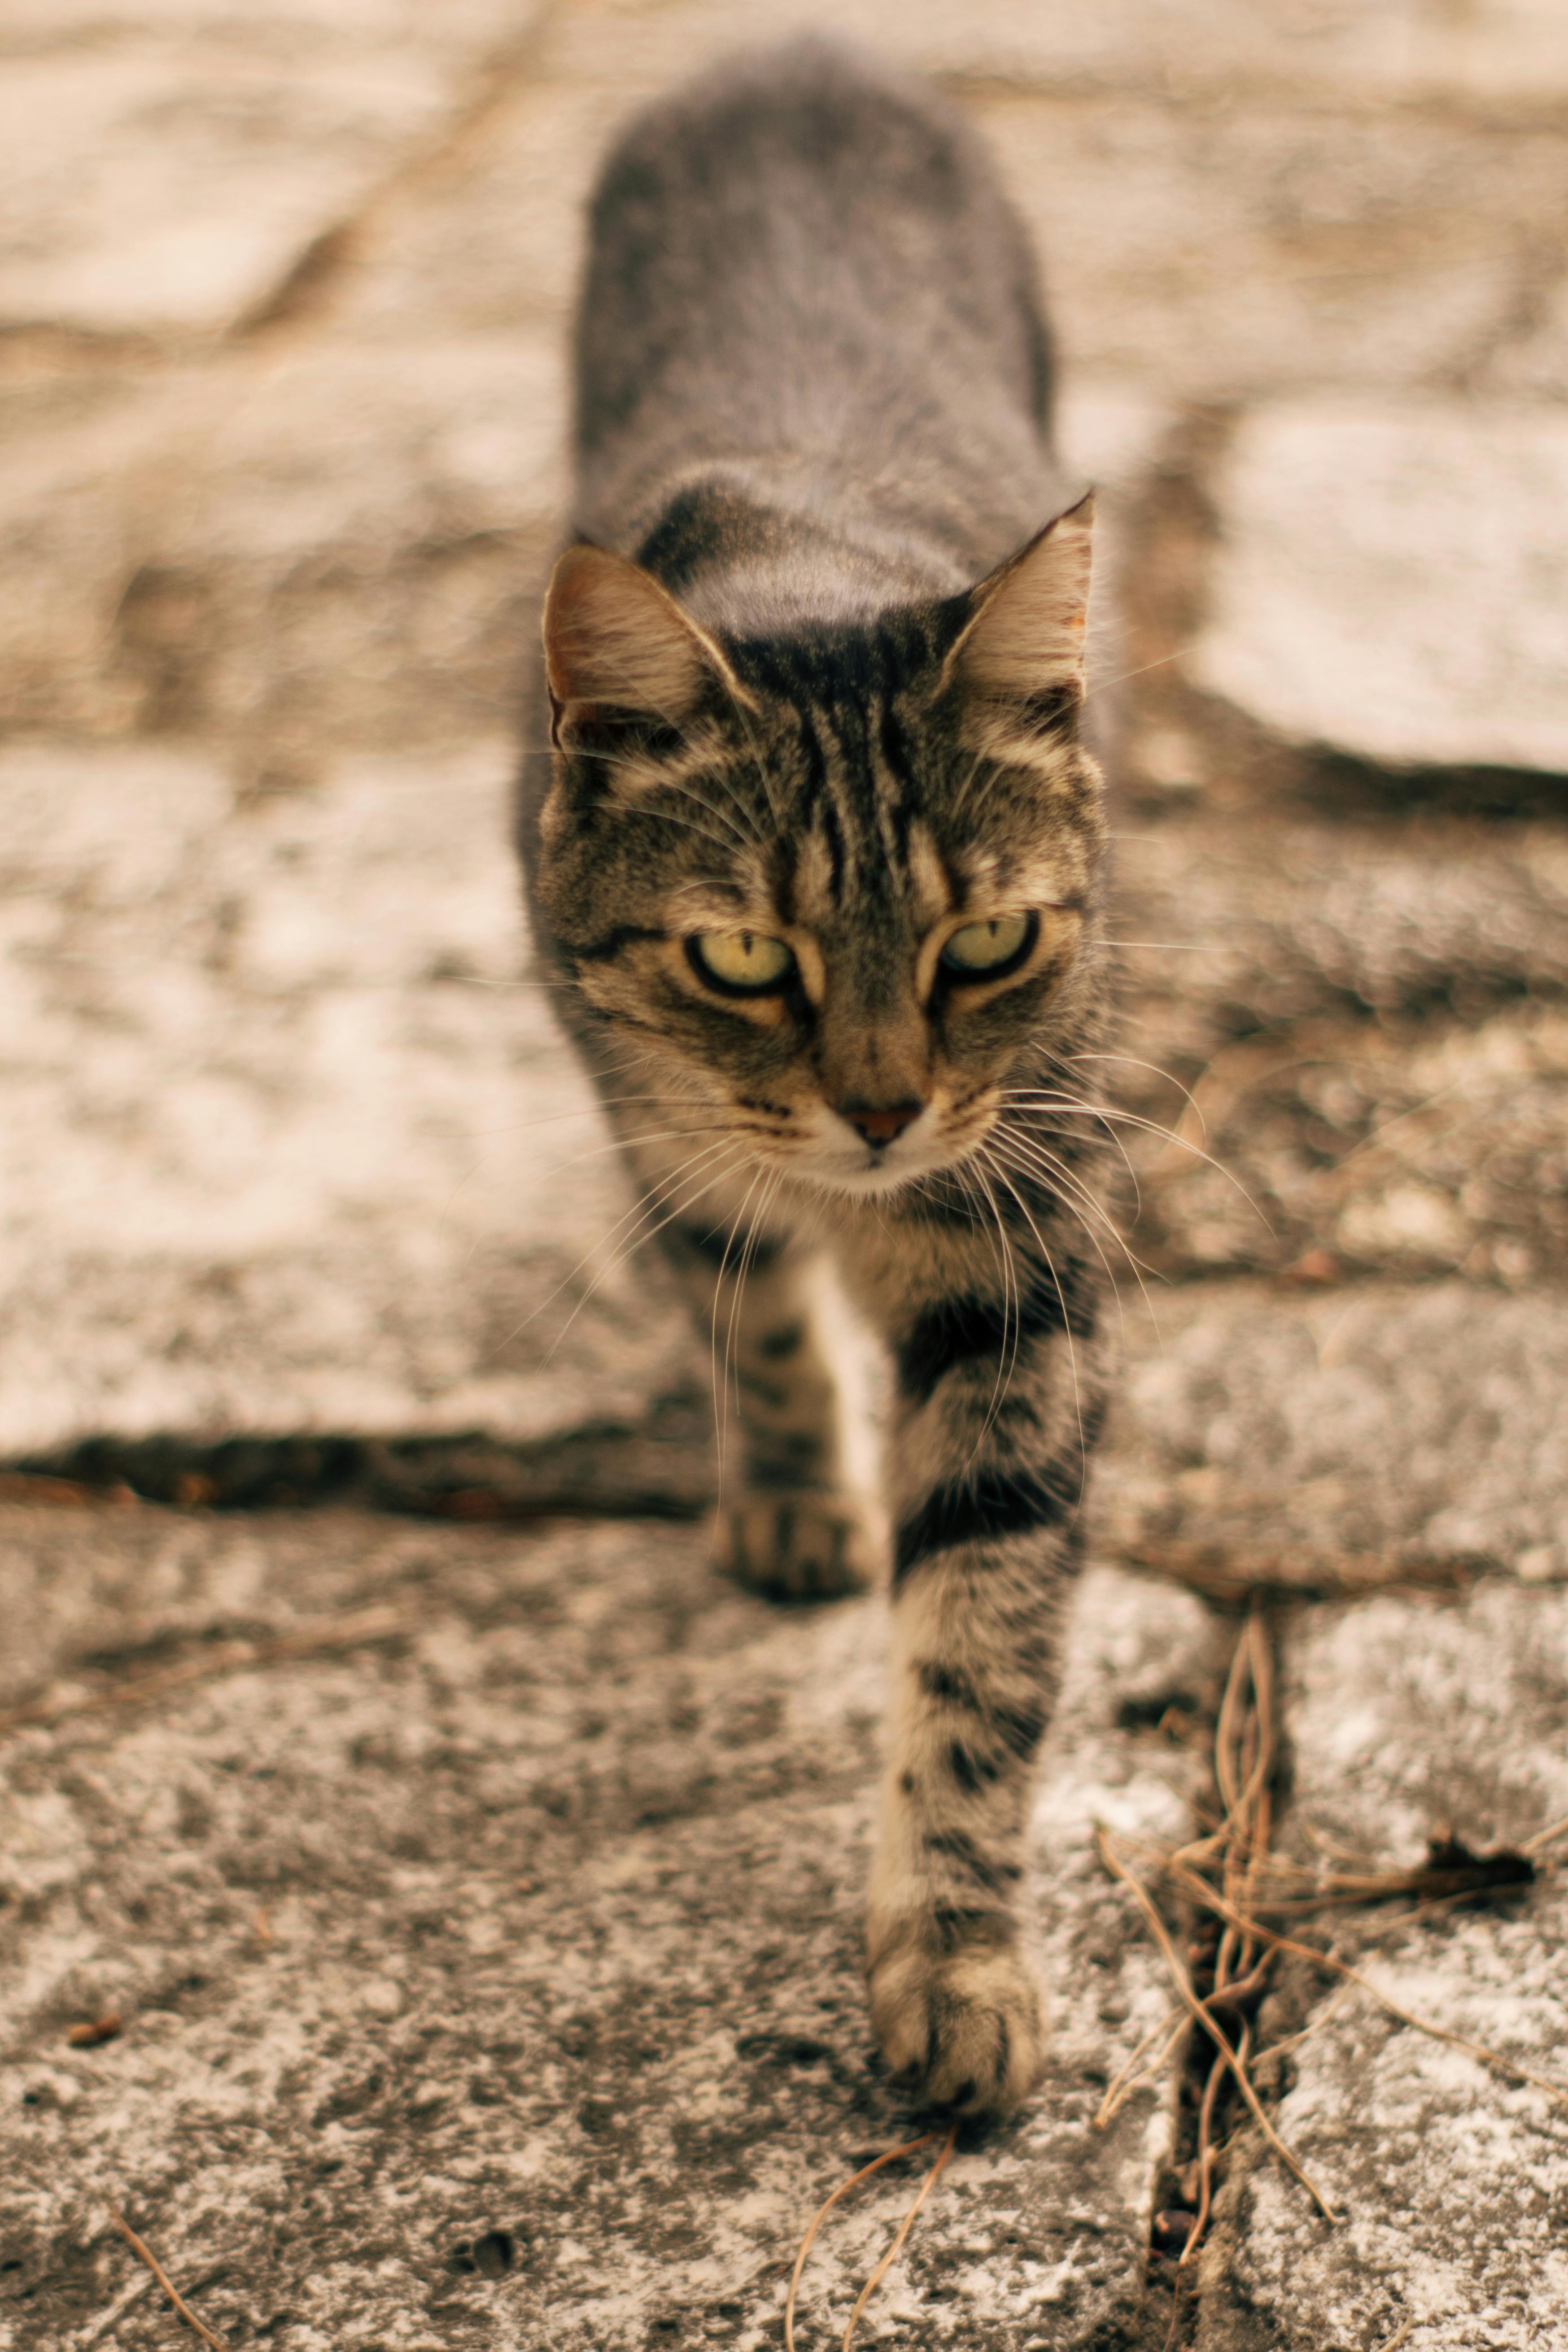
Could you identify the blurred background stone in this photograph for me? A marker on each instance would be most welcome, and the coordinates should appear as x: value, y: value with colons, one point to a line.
x: 1445, y: 529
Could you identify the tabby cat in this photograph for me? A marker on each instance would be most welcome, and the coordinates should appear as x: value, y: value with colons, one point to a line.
x: 818, y: 858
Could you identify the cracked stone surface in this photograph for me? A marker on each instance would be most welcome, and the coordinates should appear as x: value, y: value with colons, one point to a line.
x: 418, y: 1946
x: 327, y: 545
x: 1501, y: 48
x: 1405, y: 1717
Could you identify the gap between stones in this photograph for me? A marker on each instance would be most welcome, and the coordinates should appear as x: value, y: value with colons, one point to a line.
x: 659, y: 1468
x: 306, y: 286
x: 1262, y: 1997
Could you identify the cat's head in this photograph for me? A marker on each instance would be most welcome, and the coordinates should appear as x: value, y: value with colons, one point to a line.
x: 824, y: 896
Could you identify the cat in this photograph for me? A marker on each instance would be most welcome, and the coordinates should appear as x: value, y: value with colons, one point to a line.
x: 818, y: 859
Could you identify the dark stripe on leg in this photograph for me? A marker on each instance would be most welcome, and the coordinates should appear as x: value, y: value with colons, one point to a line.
x: 965, y: 1331
x: 957, y: 1846
x: 1021, y: 1728
x: 992, y: 1503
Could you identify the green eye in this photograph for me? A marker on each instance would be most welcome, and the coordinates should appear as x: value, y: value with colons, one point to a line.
x: 989, y: 949
x: 740, y: 963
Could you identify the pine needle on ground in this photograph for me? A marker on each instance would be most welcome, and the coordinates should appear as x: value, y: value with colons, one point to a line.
x: 144, y: 2251
x: 889, y: 2155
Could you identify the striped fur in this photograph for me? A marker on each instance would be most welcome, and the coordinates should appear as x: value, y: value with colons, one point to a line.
x: 813, y: 675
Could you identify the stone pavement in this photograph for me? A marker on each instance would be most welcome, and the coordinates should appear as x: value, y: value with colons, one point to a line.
x: 478, y: 1902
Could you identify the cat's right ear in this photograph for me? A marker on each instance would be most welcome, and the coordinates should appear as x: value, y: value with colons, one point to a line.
x: 1019, y: 656
x: 621, y: 660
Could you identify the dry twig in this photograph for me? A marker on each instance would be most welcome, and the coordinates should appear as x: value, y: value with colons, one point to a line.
x: 91, y: 2031
x: 1184, y: 1985
x: 1231, y: 1873
x: 140, y: 2247
x: 1232, y: 1578
x: 36, y: 1490
x: 1386, y: 2001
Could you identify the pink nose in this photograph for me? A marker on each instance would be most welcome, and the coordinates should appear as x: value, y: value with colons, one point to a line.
x: 880, y: 1126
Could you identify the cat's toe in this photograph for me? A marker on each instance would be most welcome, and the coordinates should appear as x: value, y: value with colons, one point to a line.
x: 799, y: 1547
x: 962, y: 2029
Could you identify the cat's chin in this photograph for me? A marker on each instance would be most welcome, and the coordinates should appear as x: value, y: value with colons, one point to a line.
x: 873, y: 1183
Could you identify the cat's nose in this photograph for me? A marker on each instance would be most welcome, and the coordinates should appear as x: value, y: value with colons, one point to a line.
x: 879, y: 1126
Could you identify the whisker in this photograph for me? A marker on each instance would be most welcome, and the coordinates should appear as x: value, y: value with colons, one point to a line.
x: 1032, y: 1158
x: 771, y: 1183
x: 721, y: 1385
x: 638, y: 1209
x: 1012, y: 1303
x: 1105, y: 1116
x: 1104, y: 685
x: 1067, y: 1319
x: 641, y: 1235
x: 1130, y: 1062
x: 1171, y: 1135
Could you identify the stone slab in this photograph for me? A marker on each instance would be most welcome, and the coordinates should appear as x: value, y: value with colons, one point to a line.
x: 284, y: 27
x: 1532, y: 363
x: 1391, y: 582
x: 502, y: 1985
x: 292, y: 548
x: 290, y: 1141
x: 1256, y: 918
x: 1396, y: 1420
x: 1231, y: 251
x: 1450, y: 2177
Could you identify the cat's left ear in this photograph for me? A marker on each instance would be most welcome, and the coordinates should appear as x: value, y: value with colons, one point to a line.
x: 1019, y: 659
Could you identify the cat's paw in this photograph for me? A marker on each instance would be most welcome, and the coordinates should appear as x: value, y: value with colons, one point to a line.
x: 798, y: 1547
x: 961, y: 2029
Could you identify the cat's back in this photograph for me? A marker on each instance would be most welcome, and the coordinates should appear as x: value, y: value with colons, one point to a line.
x: 805, y: 285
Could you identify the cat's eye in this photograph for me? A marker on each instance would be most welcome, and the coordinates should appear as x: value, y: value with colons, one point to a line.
x: 987, y: 950
x: 740, y: 963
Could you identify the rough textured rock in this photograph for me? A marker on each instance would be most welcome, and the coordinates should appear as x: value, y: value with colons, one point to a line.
x: 1228, y: 253
x: 1404, y: 1421
x: 1450, y: 2177
x: 1360, y: 242
x: 1391, y: 582
x: 433, y: 2028
x: 292, y: 1143
x: 1349, y: 1040
x: 1346, y: 1145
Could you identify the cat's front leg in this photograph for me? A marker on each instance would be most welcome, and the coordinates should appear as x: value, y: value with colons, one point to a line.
x: 790, y: 1522
x: 998, y: 1406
